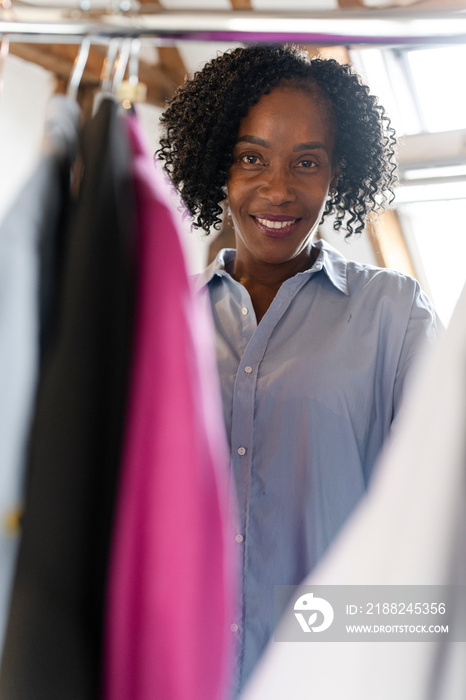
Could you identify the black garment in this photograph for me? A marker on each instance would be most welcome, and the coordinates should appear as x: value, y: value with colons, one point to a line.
x: 60, y: 148
x: 53, y: 644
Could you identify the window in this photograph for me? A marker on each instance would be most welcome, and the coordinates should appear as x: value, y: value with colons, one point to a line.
x: 424, y: 93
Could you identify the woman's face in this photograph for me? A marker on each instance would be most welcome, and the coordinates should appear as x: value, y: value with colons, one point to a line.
x: 281, y: 175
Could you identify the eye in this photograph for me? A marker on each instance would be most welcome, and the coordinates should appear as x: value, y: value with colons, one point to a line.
x: 307, y: 163
x: 250, y: 159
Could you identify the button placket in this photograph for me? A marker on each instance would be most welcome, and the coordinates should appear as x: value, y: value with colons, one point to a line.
x: 249, y: 341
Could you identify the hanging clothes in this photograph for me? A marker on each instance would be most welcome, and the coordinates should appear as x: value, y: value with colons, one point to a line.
x: 52, y: 647
x: 410, y: 530
x: 172, y: 576
x: 29, y: 247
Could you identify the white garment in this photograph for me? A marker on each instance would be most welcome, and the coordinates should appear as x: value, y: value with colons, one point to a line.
x: 409, y: 530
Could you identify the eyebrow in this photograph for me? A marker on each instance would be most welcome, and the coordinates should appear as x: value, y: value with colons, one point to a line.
x: 254, y: 139
x: 310, y: 145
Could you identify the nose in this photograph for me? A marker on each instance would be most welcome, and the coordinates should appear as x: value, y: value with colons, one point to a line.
x: 277, y: 185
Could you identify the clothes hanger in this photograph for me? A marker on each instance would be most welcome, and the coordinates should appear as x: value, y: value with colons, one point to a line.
x: 78, y: 69
x: 108, y: 69
x: 132, y: 90
x: 113, y: 70
x: 121, y: 64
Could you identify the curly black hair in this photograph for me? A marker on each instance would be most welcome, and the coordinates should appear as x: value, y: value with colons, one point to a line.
x: 202, y: 120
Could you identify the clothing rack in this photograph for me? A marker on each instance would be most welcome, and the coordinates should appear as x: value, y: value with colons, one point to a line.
x: 395, y: 27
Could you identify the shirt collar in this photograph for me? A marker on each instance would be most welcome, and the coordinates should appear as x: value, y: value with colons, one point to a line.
x: 216, y: 267
x: 333, y: 263
x: 329, y: 260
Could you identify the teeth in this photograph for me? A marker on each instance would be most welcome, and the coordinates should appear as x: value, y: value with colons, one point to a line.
x: 276, y: 224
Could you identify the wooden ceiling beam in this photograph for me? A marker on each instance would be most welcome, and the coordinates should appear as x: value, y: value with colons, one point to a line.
x: 241, y: 4
x: 41, y: 56
x: 339, y: 53
x: 346, y: 4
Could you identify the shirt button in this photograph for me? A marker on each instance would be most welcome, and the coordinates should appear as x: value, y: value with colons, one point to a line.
x: 248, y: 369
x: 241, y: 451
x: 244, y: 310
x: 239, y: 538
x: 234, y: 628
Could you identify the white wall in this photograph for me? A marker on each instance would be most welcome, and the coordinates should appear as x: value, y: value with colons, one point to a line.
x: 23, y: 102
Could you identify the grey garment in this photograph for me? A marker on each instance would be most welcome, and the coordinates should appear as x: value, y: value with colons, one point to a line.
x: 309, y: 396
x: 30, y: 225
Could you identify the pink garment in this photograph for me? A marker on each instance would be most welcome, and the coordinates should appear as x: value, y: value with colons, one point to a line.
x: 171, y: 581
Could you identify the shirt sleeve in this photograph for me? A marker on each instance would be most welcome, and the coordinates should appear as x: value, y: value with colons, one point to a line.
x: 422, y: 331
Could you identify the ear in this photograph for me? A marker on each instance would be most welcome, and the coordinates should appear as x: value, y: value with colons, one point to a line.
x: 336, y: 174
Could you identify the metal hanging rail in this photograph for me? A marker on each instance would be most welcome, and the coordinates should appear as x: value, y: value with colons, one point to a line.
x: 350, y: 27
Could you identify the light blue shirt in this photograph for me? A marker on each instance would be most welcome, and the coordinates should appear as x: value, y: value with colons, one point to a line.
x: 309, y: 395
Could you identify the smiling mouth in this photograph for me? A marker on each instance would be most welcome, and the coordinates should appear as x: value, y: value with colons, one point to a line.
x: 276, y: 224
x: 274, y: 227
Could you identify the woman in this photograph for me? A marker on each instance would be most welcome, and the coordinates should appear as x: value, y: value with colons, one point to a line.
x: 313, y: 351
